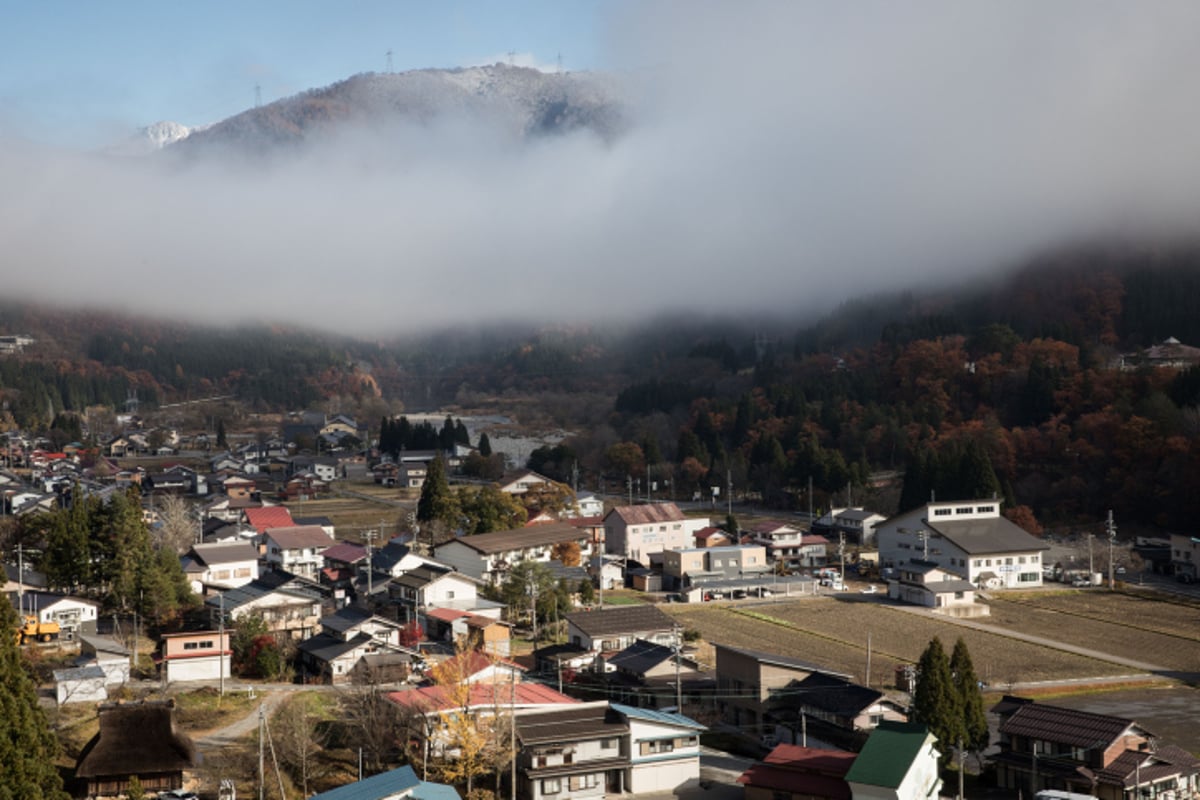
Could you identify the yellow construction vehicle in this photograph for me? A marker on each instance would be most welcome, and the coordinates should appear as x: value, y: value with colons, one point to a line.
x: 31, y: 630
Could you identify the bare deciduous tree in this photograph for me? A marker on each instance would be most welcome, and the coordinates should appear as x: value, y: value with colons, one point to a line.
x: 179, y: 529
x: 299, y: 738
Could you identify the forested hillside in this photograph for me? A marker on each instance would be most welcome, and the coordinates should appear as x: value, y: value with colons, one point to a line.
x: 1013, y: 387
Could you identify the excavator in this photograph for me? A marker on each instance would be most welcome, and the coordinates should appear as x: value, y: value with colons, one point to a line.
x: 31, y: 630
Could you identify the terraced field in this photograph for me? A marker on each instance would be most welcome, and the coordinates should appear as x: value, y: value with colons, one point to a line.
x: 833, y: 633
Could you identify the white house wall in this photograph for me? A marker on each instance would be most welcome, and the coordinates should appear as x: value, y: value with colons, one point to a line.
x: 199, y: 668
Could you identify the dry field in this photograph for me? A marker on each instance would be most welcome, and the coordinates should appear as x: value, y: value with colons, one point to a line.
x: 833, y: 633
x: 1155, y: 630
x: 352, y: 515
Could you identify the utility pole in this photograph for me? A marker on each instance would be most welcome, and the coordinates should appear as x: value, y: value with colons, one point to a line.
x: 512, y: 733
x: 729, y: 492
x: 629, y: 487
x: 261, y: 773
x: 1112, y: 541
x: 678, y: 684
x: 960, y: 768
x: 842, y: 556
x: 867, y: 683
x: 20, y: 582
x: 1091, y: 566
x: 221, y: 640
x: 370, y: 535
x: 533, y: 595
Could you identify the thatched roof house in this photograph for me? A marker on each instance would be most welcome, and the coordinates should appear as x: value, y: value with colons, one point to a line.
x: 136, y: 739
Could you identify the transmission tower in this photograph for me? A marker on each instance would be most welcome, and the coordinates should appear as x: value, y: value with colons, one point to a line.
x: 389, y: 61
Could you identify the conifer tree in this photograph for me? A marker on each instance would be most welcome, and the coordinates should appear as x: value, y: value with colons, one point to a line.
x: 970, y: 698
x: 485, y: 445
x: 436, y: 502
x: 935, y: 701
x: 28, y: 748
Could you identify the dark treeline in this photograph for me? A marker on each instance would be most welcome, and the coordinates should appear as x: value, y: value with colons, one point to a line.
x: 399, y: 434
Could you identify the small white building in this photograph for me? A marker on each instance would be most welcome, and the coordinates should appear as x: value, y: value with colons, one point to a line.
x: 107, y: 654
x: 898, y: 762
x: 195, y: 656
x: 74, y: 615
x: 489, y: 556
x: 80, y: 685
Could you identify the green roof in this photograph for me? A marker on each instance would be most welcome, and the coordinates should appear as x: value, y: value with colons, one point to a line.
x: 888, y: 754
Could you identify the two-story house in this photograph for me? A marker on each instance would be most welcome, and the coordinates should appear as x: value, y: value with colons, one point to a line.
x: 427, y: 587
x: 616, y: 627
x: 924, y: 583
x: 195, y: 656
x: 856, y: 525
x: 220, y: 565
x: 898, y: 762
x: 488, y: 557
x: 1185, y: 557
x: 291, y: 607
x: 593, y: 749
x: 746, y: 680
x: 784, y: 542
x: 347, y: 637
x: 297, y: 549
x: 968, y: 538
x: 834, y: 709
x: 698, y: 565
x: 1048, y: 747
x: 639, y: 532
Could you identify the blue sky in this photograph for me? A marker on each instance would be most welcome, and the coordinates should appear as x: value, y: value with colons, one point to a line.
x: 86, y: 73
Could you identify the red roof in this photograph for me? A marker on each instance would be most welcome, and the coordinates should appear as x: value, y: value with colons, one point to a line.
x: 269, y: 517
x: 347, y: 552
x: 446, y: 614
x: 435, y: 698
x: 803, y: 770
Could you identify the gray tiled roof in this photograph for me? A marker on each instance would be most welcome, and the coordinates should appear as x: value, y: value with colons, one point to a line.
x: 621, y: 619
x: 991, y: 535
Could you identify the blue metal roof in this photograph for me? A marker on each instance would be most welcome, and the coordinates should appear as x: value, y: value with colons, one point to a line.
x: 385, y: 784
x: 649, y: 715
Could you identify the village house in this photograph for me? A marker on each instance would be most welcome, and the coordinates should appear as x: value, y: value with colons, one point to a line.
x: 782, y: 540
x: 898, y: 762
x: 1047, y: 747
x: 856, y: 525
x: 645, y: 674
x: 347, y: 636
x: 75, y: 616
x: 135, y: 740
x: 614, y: 628
x: 638, y: 532
x: 426, y: 587
x: 968, y: 538
x: 746, y: 681
x: 290, y: 607
x: 488, y: 557
x: 793, y: 772
x: 1185, y: 557
x: 297, y: 549
x: 699, y: 565
x: 832, y: 708
x: 221, y: 566
x: 924, y: 583
x: 590, y: 750
x: 401, y: 783
x: 194, y: 656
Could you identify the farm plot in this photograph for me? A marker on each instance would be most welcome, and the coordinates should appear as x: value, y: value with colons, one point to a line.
x: 720, y: 625
x: 1154, y: 631
x: 833, y: 633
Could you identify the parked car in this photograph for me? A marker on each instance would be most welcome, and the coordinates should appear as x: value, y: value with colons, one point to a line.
x: 1079, y: 583
x: 872, y: 589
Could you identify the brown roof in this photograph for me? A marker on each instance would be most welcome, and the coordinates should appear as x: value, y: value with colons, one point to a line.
x: 299, y: 536
x: 649, y: 513
x: 621, y: 619
x: 569, y: 724
x: 136, y: 739
x: 1065, y: 725
x: 521, y: 538
x: 269, y: 517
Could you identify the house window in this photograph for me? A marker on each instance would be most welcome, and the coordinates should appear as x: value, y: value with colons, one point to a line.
x: 978, y: 562
x: 941, y: 512
x: 551, y: 786
x: 985, y: 510
x: 660, y: 746
x: 963, y: 510
x: 449, y: 595
x: 241, y: 572
x: 1028, y: 577
x: 608, y: 744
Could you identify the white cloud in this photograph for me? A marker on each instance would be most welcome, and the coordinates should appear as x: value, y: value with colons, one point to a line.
x: 781, y: 158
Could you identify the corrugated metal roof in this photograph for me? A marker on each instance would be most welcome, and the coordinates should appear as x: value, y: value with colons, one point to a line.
x: 269, y: 517
x: 888, y: 754
x: 649, y: 513
x: 1065, y: 725
x: 298, y: 537
x: 621, y: 619
x: 376, y: 787
x: 520, y: 538
x: 662, y: 717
